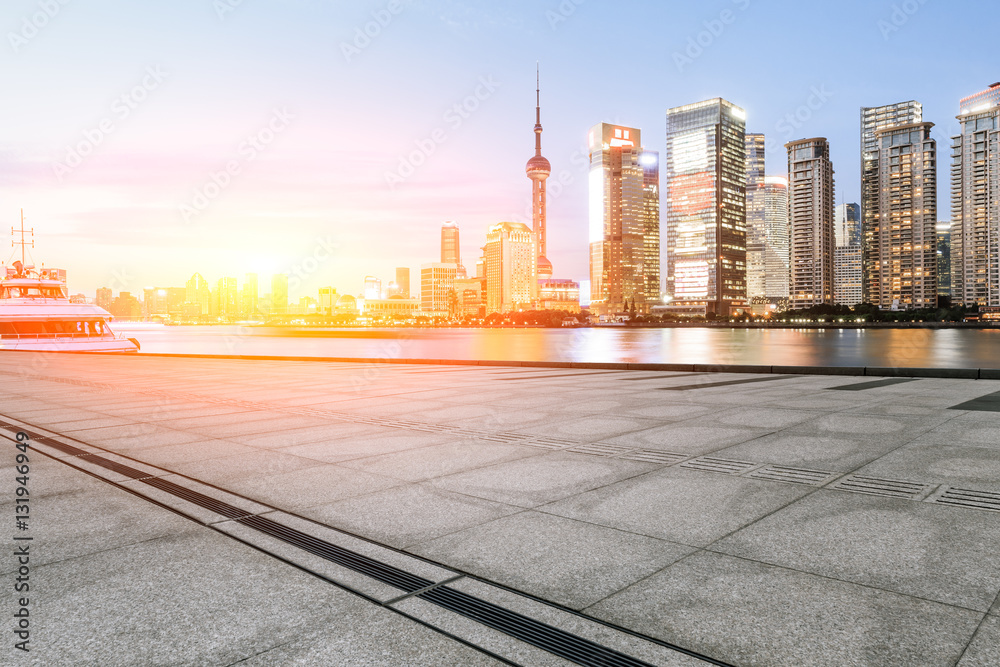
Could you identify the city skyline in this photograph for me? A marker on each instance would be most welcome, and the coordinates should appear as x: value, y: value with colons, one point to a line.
x: 190, y: 113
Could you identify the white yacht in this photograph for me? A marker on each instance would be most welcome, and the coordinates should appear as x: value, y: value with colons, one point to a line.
x: 36, y: 314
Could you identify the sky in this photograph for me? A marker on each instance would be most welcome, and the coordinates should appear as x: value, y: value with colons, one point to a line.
x: 330, y: 140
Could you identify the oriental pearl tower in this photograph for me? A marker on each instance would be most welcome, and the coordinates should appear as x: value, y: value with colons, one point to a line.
x: 538, y: 170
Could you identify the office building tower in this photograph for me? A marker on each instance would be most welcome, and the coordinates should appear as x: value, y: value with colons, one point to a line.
x: 810, y: 217
x: 250, y: 296
x: 279, y: 294
x: 104, y: 298
x: 451, y: 249
x: 847, y: 225
x: 706, y: 207
x: 650, y: 162
x: 199, y: 295
x: 621, y: 215
x: 756, y: 218
x: 511, y: 268
x: 538, y: 170
x: 975, y: 201
x: 901, y: 237
x: 848, y: 275
x: 874, y: 119
x: 373, y: 288
x: 437, y: 281
x: 227, y: 299
x: 944, y: 260
x: 403, y: 281
x: 327, y: 301
x: 774, y: 193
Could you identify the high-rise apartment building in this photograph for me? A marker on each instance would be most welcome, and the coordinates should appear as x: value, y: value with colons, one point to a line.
x: 975, y: 201
x: 538, y: 170
x: 706, y: 207
x: 617, y: 244
x: 874, y: 119
x: 511, y: 268
x: 901, y: 238
x: 944, y: 259
x: 810, y: 216
x: 848, y: 259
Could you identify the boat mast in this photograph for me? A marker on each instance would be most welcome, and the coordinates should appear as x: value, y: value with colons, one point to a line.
x: 22, y: 242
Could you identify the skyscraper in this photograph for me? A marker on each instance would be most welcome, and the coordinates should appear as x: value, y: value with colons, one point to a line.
x: 872, y: 120
x: 199, y: 295
x: 848, y: 259
x: 902, y: 220
x: 373, y: 288
x: 944, y: 259
x: 279, y: 294
x: 251, y: 296
x: 538, y: 170
x: 511, y: 268
x: 650, y: 161
x: 451, y: 249
x: 775, y: 241
x: 403, y: 281
x: 756, y: 218
x: 621, y: 214
x: 975, y: 201
x: 706, y: 207
x: 810, y: 214
x: 227, y: 298
x: 437, y: 280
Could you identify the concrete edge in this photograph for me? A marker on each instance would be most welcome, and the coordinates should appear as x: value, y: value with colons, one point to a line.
x: 870, y: 371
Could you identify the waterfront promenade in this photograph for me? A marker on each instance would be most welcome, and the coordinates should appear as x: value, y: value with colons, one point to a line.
x: 257, y: 512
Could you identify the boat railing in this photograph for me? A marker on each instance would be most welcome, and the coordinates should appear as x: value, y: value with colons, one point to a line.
x: 108, y: 335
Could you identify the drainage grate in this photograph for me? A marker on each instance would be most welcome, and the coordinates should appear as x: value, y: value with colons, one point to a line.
x: 199, y: 499
x: 62, y: 447
x: 892, y: 488
x: 725, y: 466
x: 559, y: 642
x: 983, y: 500
x: 554, y: 442
x: 792, y: 475
x: 653, y: 456
x: 600, y: 449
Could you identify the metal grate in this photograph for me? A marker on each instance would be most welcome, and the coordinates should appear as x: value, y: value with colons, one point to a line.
x: 792, y: 475
x: 653, y: 456
x: 982, y: 500
x: 559, y: 642
x: 892, y: 488
x: 199, y: 499
x: 600, y: 449
x: 725, y: 466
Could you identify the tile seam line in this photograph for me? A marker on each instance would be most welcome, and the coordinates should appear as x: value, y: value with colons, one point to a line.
x: 212, y: 526
x: 972, y: 637
x: 709, y: 368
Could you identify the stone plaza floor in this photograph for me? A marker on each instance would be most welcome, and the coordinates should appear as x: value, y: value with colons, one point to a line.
x: 259, y: 512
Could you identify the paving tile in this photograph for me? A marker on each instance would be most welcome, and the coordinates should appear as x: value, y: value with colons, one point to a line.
x: 973, y: 467
x: 679, y: 505
x: 386, y: 441
x: 749, y: 613
x: 826, y: 452
x: 423, y: 463
x: 540, y: 479
x: 933, y: 552
x: 684, y: 439
x: 241, y: 466
x: 984, y: 651
x: 569, y: 562
x: 405, y: 515
x: 307, y: 487
x: 978, y: 432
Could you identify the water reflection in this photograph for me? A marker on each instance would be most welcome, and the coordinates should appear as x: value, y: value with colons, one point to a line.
x: 941, y: 348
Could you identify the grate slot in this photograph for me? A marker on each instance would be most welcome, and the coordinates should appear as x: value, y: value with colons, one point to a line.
x: 881, y: 487
x: 387, y: 574
x: 724, y: 466
x: 653, y: 456
x: 558, y: 642
x: 598, y: 449
x: 983, y: 500
x: 62, y: 447
x: 791, y: 475
x: 196, y: 498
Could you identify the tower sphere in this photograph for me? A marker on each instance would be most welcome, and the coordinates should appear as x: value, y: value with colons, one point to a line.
x: 538, y: 168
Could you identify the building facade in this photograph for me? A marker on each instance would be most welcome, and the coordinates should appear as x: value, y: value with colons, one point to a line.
x: 975, y: 201
x: 403, y: 281
x: 706, y: 212
x: 650, y: 162
x: 279, y: 294
x: 848, y: 275
x: 901, y: 238
x: 511, y: 268
x: 810, y: 217
x: 437, y: 281
x: 249, y: 296
x: 874, y: 119
x: 756, y: 219
x: 774, y: 193
x: 944, y: 260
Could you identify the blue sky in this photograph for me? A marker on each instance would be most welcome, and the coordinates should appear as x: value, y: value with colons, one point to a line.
x: 188, y: 87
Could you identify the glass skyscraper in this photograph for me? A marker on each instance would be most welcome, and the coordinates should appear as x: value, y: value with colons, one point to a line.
x: 706, y: 207
x: 810, y: 214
